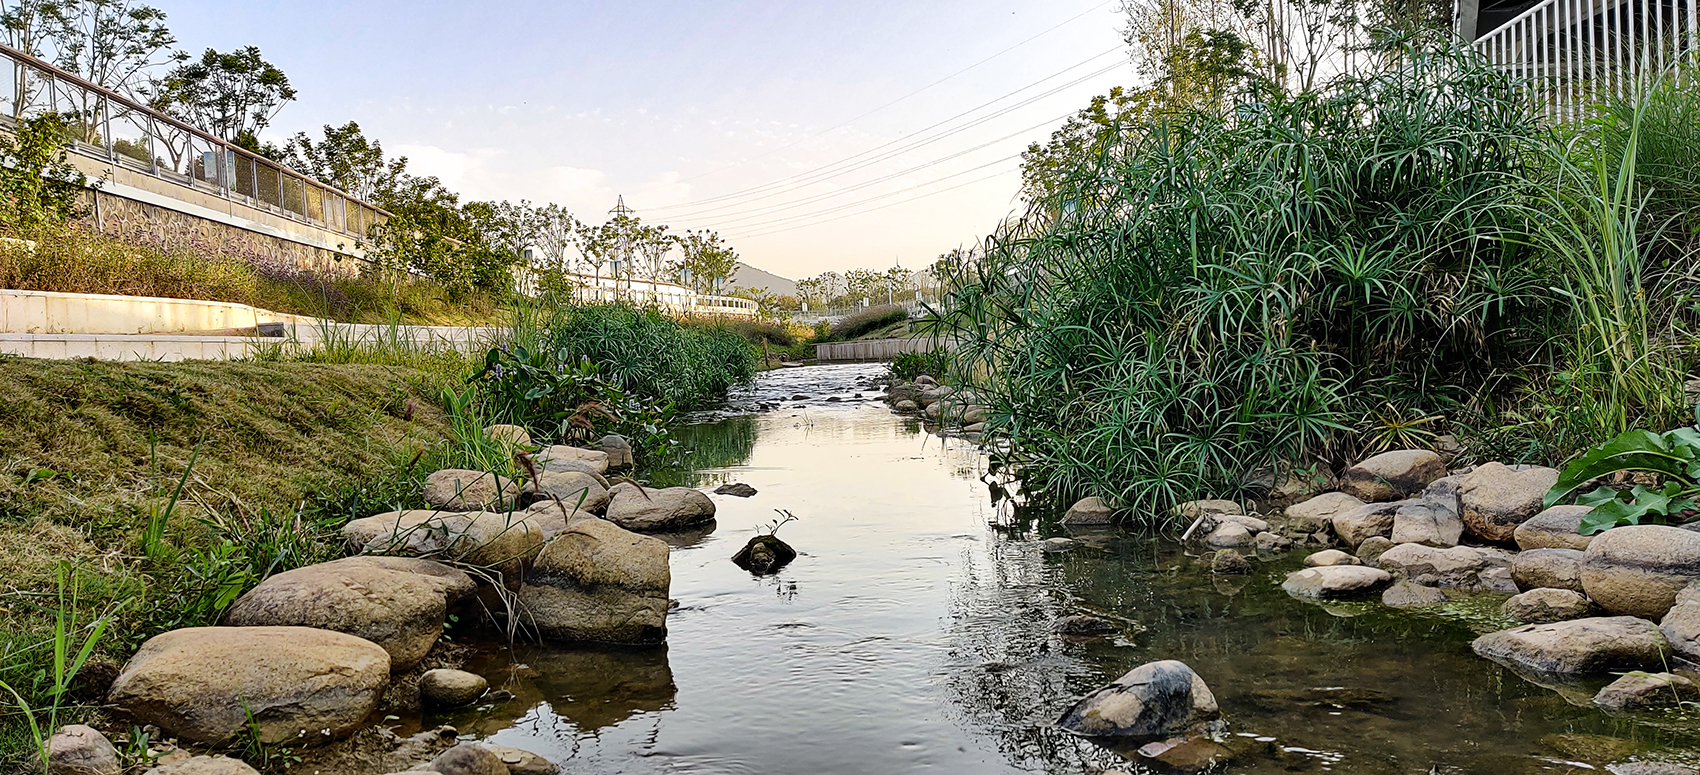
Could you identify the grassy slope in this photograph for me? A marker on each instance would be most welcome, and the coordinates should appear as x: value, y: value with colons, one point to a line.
x: 289, y: 448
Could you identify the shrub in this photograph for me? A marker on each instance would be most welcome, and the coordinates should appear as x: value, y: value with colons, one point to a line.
x: 866, y: 321
x: 907, y: 366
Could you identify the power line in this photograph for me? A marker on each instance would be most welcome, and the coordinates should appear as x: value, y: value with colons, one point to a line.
x: 881, y: 207
x: 828, y: 169
x: 847, y: 122
x: 847, y: 205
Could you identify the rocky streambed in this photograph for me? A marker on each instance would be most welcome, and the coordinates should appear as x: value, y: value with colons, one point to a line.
x: 918, y: 629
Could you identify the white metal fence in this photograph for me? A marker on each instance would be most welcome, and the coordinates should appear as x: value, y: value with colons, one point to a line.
x: 1574, y: 52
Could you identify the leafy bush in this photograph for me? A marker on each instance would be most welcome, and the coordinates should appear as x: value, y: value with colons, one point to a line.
x: 1204, y: 294
x: 569, y: 402
x: 1673, y: 458
x: 867, y: 320
x: 907, y: 366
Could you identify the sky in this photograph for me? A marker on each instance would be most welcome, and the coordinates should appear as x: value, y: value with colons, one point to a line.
x: 812, y: 135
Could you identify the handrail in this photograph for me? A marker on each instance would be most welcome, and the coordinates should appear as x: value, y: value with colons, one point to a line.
x: 225, y: 148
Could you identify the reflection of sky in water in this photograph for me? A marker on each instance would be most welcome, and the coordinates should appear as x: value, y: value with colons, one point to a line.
x: 909, y: 636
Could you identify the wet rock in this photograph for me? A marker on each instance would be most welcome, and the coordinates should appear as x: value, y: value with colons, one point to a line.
x: 1593, y: 645
x: 521, y: 762
x: 1495, y: 499
x: 1157, y: 699
x: 599, y: 582
x: 578, y: 490
x: 1650, y: 768
x: 468, y: 759
x: 77, y: 749
x: 1330, y: 557
x: 457, y: 489
x: 1638, y: 691
x: 1432, y: 521
x: 1191, y: 509
x: 1540, y: 606
x: 1230, y: 563
x: 1497, y: 579
x: 1194, y: 753
x: 1330, y: 582
x: 1088, y: 511
x: 1373, y: 519
x: 399, y: 603
x: 1589, y: 748
x: 1554, y: 568
x: 1082, y: 625
x: 205, y: 765
x: 618, y: 450
x: 1681, y: 624
x: 1053, y: 545
x: 1459, y: 566
x: 553, y: 458
x: 301, y: 685
x: 1404, y: 594
x: 1319, y: 512
x: 501, y: 541
x: 907, y: 407
x: 1266, y: 543
x: 1370, y: 551
x: 738, y: 489
x: 1251, y: 524
x: 1391, y: 476
x: 649, y: 510
x: 1229, y: 535
x: 1554, y: 528
x: 1638, y: 570
x: 764, y: 554
x: 511, y: 435
x: 444, y: 688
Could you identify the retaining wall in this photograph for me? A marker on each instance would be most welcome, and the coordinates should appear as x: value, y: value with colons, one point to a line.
x: 874, y: 349
x: 46, y: 312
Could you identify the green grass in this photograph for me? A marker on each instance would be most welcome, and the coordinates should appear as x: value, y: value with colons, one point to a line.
x: 867, y: 323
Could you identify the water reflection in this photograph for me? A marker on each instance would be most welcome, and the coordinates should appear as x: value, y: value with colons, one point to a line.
x: 568, y: 692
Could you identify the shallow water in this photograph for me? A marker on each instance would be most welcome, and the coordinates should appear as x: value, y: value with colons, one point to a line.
x: 912, y: 635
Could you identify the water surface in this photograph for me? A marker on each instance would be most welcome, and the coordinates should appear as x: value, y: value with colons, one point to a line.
x: 913, y: 635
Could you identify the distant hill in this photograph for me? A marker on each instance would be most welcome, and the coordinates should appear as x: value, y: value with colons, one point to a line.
x: 750, y: 277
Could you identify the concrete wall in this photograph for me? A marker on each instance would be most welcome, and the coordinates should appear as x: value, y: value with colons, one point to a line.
x: 43, y: 312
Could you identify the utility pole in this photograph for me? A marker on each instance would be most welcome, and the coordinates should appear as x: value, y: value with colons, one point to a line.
x: 622, y: 211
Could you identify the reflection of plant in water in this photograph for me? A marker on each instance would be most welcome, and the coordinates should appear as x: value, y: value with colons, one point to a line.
x: 702, y: 447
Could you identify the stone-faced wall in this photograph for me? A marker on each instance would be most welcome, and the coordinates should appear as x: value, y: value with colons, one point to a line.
x: 156, y: 225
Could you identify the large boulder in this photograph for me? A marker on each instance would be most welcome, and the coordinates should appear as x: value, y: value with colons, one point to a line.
x: 1318, y: 512
x: 561, y: 457
x: 468, y: 759
x: 1494, y: 499
x: 579, y: 490
x: 1373, y: 519
x: 1331, y: 582
x: 503, y: 541
x: 296, y: 684
x: 1681, y: 624
x: 1229, y: 535
x: 204, y: 765
x: 1459, y: 567
x: 398, y: 603
x: 1594, y: 645
x: 77, y: 749
x: 458, y: 489
x: 1637, y: 570
x: 1553, y: 568
x: 1156, y: 699
x: 648, y: 510
x: 1089, y: 511
x: 1427, y: 520
x: 618, y: 450
x: 1540, y: 606
x: 1392, y: 476
x: 1554, y: 528
x: 599, y: 582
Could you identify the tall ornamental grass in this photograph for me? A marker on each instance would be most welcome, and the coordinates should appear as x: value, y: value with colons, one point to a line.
x: 1197, y: 298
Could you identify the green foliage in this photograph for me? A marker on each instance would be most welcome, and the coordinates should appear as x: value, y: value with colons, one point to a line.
x: 232, y: 95
x: 907, y: 366
x: 39, y: 186
x: 866, y: 321
x: 559, y: 400
x: 1202, y: 294
x: 55, y: 682
x: 1672, y: 457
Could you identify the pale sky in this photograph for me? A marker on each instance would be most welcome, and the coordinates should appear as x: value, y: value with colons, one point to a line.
x: 675, y: 102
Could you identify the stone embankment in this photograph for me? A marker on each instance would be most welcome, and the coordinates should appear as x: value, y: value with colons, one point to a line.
x: 312, y: 655
x: 1404, y: 529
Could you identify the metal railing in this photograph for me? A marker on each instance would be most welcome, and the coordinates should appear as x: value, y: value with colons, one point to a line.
x: 1575, y: 52
x: 115, y: 129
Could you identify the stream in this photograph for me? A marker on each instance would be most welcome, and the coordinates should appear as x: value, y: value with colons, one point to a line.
x: 914, y: 635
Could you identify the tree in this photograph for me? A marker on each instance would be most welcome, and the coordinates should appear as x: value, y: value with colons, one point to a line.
x: 862, y: 284
x: 557, y: 234
x: 897, y: 281
x: 27, y: 26
x: 652, y: 244
x: 38, y: 184
x: 233, y: 96
x: 348, y: 160
x: 708, y: 261
x: 113, y: 43
x: 430, y: 233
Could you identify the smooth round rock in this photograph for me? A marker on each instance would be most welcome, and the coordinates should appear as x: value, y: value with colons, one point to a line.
x: 1637, y: 570
x: 1157, y: 699
x: 1089, y: 511
x: 78, y: 749
x: 1404, y: 594
x: 444, y: 688
x: 651, y: 510
x: 1391, y: 476
x: 205, y: 765
x: 468, y: 759
x: 1330, y: 582
x: 1229, y: 535
x: 457, y: 489
x: 597, y: 582
x: 1554, y: 568
x: 1639, y: 691
x: 1594, y: 645
x: 1228, y: 562
x: 1330, y: 557
x: 1554, y: 528
x: 511, y: 435
x: 1544, y: 605
x: 1494, y: 499
x: 1370, y: 551
x: 1314, y: 514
